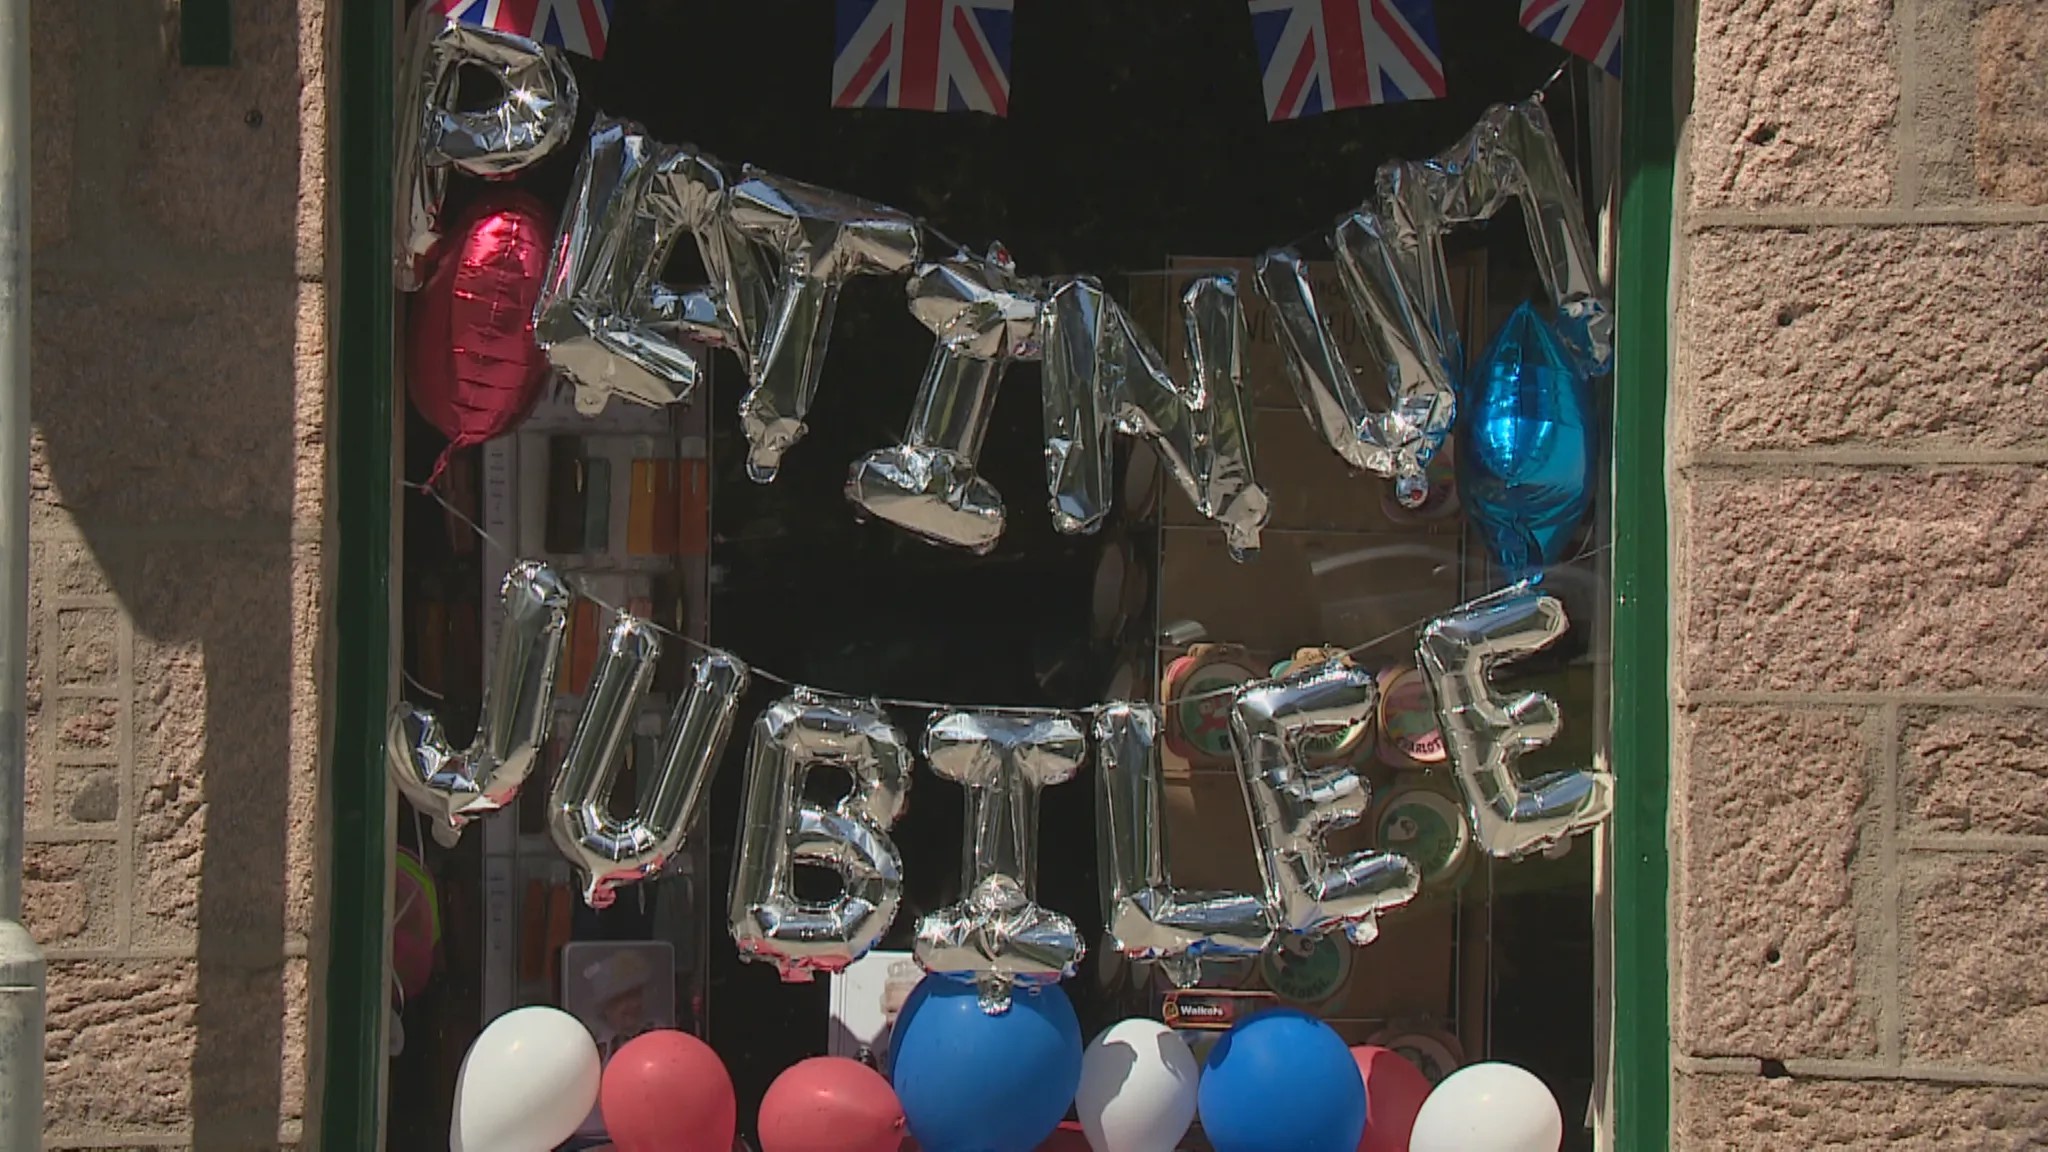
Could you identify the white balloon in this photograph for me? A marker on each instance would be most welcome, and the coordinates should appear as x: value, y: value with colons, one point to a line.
x: 1137, y: 1091
x: 526, y: 1084
x: 1489, y: 1108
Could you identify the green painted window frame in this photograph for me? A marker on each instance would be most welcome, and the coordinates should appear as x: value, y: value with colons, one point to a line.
x: 353, y: 1053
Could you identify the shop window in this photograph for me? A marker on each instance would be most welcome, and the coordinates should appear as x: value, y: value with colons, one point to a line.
x: 1135, y: 148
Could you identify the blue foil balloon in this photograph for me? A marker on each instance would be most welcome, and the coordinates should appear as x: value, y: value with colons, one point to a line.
x: 1282, y: 1081
x: 1526, y: 445
x: 972, y: 1082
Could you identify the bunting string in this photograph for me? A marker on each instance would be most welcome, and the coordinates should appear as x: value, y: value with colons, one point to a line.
x: 581, y: 588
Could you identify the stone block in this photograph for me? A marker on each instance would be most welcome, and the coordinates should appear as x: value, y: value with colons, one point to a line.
x: 69, y: 896
x: 1774, y: 902
x: 1971, y: 771
x: 218, y: 164
x: 315, y: 94
x: 89, y: 646
x: 1793, y: 106
x: 1937, y: 138
x: 1911, y: 338
x: 303, y: 864
x: 310, y: 505
x: 160, y: 403
x: 205, y: 1051
x: 85, y: 798
x: 2011, y: 47
x: 1715, y: 1113
x: 1975, y: 992
x: 223, y: 823
x: 87, y: 730
x: 53, y: 119
x: 1928, y: 580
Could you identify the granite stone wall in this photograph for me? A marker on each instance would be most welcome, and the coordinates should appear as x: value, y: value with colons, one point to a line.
x: 178, y: 603
x: 1860, y: 513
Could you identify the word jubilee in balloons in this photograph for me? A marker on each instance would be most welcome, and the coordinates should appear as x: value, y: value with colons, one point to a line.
x: 777, y: 253
x: 997, y: 936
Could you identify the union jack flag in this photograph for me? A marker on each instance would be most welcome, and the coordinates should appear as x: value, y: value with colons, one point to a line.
x: 930, y: 55
x: 1588, y: 28
x: 579, y: 26
x: 1322, y: 55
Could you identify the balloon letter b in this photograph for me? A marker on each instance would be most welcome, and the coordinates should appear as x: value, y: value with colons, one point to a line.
x: 779, y: 830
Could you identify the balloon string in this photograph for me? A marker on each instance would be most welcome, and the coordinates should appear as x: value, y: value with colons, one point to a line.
x: 582, y: 589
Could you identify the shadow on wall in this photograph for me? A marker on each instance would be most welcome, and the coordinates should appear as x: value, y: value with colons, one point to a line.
x: 177, y: 393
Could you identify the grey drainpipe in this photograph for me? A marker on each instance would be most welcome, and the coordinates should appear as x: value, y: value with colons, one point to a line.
x: 21, y: 962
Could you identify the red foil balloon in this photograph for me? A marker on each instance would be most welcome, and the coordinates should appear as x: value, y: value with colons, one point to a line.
x: 831, y: 1104
x: 473, y: 369
x: 667, y: 1091
x: 1394, y: 1091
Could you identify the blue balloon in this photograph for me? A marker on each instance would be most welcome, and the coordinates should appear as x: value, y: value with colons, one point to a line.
x: 1282, y: 1080
x: 972, y: 1082
x: 1526, y: 445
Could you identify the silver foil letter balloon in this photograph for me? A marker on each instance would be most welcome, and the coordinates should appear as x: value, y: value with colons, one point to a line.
x: 1102, y: 376
x: 453, y: 787
x: 779, y: 830
x: 1146, y: 916
x: 1485, y: 731
x: 612, y: 852
x: 997, y: 936
x: 1399, y: 441
x: 1512, y: 154
x: 823, y: 238
x: 1295, y: 802
x: 605, y: 317
x: 434, y: 135
x: 982, y: 317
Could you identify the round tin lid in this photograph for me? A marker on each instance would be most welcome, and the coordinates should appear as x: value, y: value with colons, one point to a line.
x: 1107, y: 614
x: 1311, y: 977
x: 1199, y: 729
x: 1141, y: 482
x: 1408, y: 720
x: 1427, y: 827
x: 1436, y: 1052
x: 1123, y: 682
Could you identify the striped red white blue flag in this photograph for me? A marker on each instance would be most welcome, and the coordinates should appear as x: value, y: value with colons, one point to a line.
x: 579, y: 26
x: 1587, y: 28
x: 1323, y: 55
x: 930, y: 55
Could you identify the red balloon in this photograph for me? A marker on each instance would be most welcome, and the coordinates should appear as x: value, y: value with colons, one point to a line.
x: 473, y: 369
x: 667, y: 1091
x: 1394, y: 1091
x: 831, y: 1104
